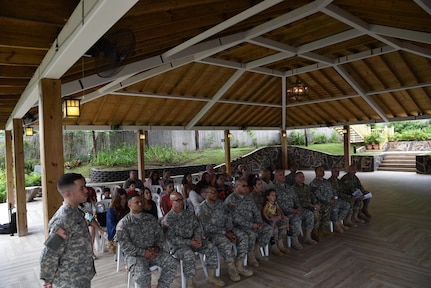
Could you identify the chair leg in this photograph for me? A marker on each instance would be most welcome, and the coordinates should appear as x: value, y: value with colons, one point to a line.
x: 204, y: 265
x: 118, y: 257
x: 183, y: 277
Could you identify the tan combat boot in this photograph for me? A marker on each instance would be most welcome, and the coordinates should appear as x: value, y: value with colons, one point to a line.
x: 348, y: 220
x: 364, y: 210
x: 295, y: 244
x: 355, y: 218
x: 212, y: 279
x: 241, y: 269
x: 233, y: 272
x: 315, y: 235
x: 307, y: 238
x: 280, y: 244
x: 190, y: 283
x: 274, y: 250
x: 337, y: 227
x: 251, y: 260
x: 345, y: 228
x: 258, y: 255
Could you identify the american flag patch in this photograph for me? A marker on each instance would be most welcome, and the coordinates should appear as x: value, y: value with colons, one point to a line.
x: 62, y: 233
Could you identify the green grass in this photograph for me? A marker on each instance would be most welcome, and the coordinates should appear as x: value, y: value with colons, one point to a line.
x: 215, y: 156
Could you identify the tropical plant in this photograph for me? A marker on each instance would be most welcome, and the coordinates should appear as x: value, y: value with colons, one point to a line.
x: 373, y: 138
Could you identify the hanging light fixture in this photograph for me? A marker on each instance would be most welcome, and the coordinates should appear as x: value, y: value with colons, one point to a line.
x: 28, y: 131
x: 71, y: 108
x: 297, y: 90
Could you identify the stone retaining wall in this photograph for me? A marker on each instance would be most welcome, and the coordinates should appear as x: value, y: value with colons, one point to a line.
x: 122, y: 175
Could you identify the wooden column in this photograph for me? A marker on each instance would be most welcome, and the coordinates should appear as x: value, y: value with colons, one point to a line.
x: 284, y: 154
x: 346, y: 133
x: 20, y: 197
x: 9, y: 168
x: 51, y: 146
x: 141, y: 153
x: 227, y: 159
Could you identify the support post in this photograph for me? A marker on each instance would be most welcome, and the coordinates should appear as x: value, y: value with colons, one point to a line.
x: 346, y: 133
x: 9, y: 168
x: 20, y: 196
x: 140, y: 140
x: 284, y: 153
x: 51, y: 146
x: 227, y: 159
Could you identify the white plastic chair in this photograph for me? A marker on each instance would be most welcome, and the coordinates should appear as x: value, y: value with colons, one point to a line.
x: 235, y: 252
x: 204, y: 267
x: 156, y: 198
x: 156, y: 189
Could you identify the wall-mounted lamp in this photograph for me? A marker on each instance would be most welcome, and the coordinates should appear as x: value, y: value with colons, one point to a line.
x: 229, y: 135
x: 344, y: 131
x: 71, y: 108
x: 142, y: 136
x: 283, y: 134
x: 28, y: 131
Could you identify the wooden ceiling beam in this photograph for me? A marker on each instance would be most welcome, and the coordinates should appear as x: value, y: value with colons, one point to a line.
x: 424, y: 4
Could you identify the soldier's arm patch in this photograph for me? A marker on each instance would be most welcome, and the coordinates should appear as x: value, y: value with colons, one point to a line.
x: 55, y: 240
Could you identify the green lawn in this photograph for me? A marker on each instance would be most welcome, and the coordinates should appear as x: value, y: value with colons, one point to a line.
x: 216, y: 156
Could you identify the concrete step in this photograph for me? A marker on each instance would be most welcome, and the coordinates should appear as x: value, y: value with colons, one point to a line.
x: 394, y: 169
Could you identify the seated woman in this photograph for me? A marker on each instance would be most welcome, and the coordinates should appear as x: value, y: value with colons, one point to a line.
x: 196, y: 196
x: 153, y: 179
x: 148, y: 206
x: 117, y: 210
x: 166, y: 204
x: 187, y: 185
x: 222, y: 189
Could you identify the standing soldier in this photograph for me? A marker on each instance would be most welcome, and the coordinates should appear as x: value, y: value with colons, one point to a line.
x: 67, y: 258
x: 289, y: 202
x: 184, y: 236
x: 141, y: 239
x: 248, y: 218
x: 218, y: 228
x: 329, y: 202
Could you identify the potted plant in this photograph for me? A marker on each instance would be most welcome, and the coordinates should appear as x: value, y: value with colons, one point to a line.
x: 373, y: 141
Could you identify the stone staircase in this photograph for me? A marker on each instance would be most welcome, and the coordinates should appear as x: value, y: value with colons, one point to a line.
x: 399, y: 162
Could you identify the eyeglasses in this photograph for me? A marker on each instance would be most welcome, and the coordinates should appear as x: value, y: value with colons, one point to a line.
x: 178, y: 200
x: 212, y: 191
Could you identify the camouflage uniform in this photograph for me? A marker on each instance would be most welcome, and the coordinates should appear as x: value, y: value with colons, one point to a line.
x: 350, y: 184
x: 290, y: 179
x: 338, y: 187
x: 244, y: 213
x: 258, y: 198
x: 67, y: 258
x: 137, y: 232
x: 289, y: 201
x: 322, y: 188
x: 308, y: 200
x: 216, y: 221
x: 180, y: 229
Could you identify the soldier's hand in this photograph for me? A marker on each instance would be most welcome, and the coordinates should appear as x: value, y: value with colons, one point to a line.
x: 231, y: 236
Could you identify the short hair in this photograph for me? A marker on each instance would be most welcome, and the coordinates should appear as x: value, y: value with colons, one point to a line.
x: 132, y: 182
x: 67, y: 181
x: 268, y: 192
x: 107, y: 189
x: 132, y: 195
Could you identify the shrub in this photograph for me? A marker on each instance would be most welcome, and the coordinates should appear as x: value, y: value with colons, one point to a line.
x: 412, y: 135
x: 125, y: 155
x: 296, y: 138
x: 319, y: 138
x: 164, y: 155
x: 335, y: 137
x: 33, y: 179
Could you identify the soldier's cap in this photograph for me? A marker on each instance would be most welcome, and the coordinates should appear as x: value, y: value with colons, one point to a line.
x: 132, y: 195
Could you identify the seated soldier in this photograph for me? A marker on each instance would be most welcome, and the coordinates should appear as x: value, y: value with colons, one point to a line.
x: 218, y: 228
x: 184, y: 237
x: 352, y: 183
x: 143, y: 247
x: 247, y: 217
x: 327, y: 197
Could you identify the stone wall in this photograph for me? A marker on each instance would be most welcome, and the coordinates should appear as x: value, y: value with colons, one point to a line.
x: 270, y: 156
x: 121, y: 175
x: 409, y: 146
x: 423, y: 164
